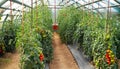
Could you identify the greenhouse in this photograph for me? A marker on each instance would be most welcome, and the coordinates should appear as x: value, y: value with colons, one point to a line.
x: 59, y: 34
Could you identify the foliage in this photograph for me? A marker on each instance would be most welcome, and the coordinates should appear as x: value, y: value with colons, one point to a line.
x: 46, y: 41
x: 90, y: 33
x: 9, y: 33
x: 43, y: 27
x: 32, y: 42
x: 2, y: 46
x: 30, y: 49
x: 95, y: 37
x: 44, y: 16
x: 68, y: 18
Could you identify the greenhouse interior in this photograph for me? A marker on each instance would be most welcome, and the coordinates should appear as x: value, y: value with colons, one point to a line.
x: 59, y: 34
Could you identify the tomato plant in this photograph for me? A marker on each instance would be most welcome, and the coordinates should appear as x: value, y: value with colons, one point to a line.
x: 89, y: 30
x: 34, y: 39
x: 68, y: 18
x: 9, y: 30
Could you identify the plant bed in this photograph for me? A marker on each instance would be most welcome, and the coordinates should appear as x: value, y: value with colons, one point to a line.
x: 46, y: 66
x: 62, y: 58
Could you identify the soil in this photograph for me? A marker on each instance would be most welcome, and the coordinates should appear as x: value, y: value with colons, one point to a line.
x: 10, y: 61
x: 63, y: 59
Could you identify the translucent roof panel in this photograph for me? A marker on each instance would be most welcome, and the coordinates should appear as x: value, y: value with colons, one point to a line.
x: 69, y: 3
x: 6, y: 4
x: 81, y: 2
x: 96, y: 5
x: 114, y: 2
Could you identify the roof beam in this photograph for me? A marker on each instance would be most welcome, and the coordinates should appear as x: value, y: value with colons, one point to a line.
x: 8, y: 9
x: 90, y: 3
x: 117, y: 1
x: 63, y: 1
x: 93, y: 6
x: 16, y: 1
x: 117, y: 8
x: 1, y: 3
x: 78, y: 4
x: 106, y: 7
x: 10, y: 15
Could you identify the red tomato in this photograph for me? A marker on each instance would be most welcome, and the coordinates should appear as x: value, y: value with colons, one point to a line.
x: 107, y: 55
x: 41, y: 57
x: 55, y: 27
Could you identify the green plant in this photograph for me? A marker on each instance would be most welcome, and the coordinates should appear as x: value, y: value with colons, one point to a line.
x: 9, y: 33
x: 35, y: 47
x: 68, y: 18
x: 90, y: 32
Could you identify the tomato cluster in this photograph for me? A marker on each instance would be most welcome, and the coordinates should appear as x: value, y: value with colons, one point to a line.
x: 109, y: 57
x: 55, y: 26
x: 41, y: 57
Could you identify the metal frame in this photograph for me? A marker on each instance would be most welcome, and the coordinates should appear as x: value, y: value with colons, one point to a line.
x: 89, y: 3
x: 117, y: 1
x: 106, y: 7
x: 117, y: 7
x: 9, y: 9
x: 18, y: 2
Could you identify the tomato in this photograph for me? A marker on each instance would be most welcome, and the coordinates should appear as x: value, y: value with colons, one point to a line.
x: 41, y: 57
x: 109, y: 62
x: 112, y: 56
x: 112, y: 61
x: 108, y: 51
x: 55, y: 26
x: 44, y: 35
x: 107, y: 37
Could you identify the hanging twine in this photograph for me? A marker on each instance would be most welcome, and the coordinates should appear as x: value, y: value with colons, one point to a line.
x: 31, y: 13
x: 11, y: 11
x: 108, y: 14
x: 55, y: 11
x: 36, y: 13
x: 92, y: 14
x: 22, y: 17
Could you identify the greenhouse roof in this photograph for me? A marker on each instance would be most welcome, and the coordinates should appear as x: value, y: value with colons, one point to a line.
x: 95, y: 5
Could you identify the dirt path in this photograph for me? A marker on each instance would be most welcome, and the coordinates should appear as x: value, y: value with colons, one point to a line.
x: 10, y: 61
x: 63, y: 59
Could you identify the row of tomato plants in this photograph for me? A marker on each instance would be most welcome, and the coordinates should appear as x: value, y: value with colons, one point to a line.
x: 32, y: 37
x: 35, y: 39
x: 89, y: 31
x: 8, y: 36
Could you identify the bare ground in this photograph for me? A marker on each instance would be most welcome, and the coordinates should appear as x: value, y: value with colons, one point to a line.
x: 63, y: 58
x: 10, y: 61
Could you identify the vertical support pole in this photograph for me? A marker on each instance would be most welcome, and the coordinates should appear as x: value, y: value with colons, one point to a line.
x: 31, y: 13
x: 55, y: 11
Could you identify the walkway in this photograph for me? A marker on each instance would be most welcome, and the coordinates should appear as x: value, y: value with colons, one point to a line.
x: 63, y: 58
